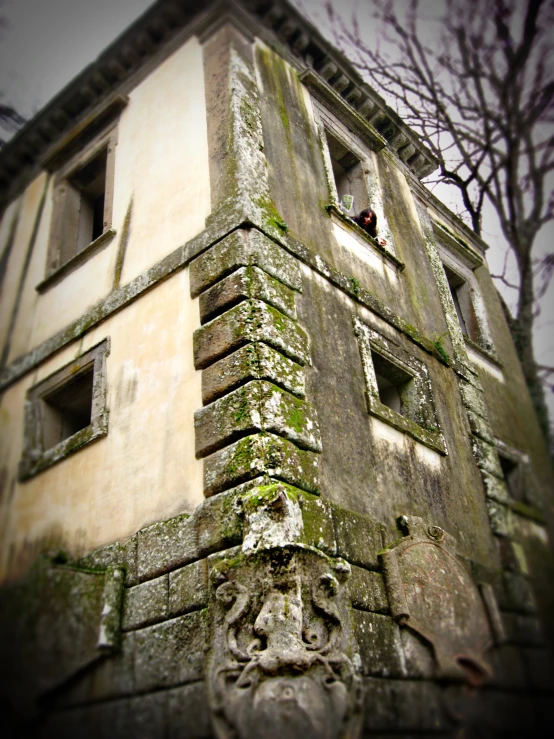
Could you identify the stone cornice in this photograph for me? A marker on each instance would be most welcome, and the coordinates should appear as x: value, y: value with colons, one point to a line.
x: 154, y: 34
x: 311, y: 51
x: 451, y: 219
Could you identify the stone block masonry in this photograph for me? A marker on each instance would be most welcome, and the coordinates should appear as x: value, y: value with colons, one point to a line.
x: 255, y: 419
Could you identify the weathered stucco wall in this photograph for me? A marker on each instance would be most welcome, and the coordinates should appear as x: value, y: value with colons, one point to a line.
x: 508, y: 402
x: 281, y: 536
x: 162, y: 161
x: 369, y: 466
x: 161, y: 200
x: 18, y: 231
x: 144, y: 470
x: 301, y: 192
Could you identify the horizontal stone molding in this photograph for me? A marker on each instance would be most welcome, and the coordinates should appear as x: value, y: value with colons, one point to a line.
x: 257, y: 406
x: 216, y: 233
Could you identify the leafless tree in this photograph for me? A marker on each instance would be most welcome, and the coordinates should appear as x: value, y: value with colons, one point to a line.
x: 477, y: 82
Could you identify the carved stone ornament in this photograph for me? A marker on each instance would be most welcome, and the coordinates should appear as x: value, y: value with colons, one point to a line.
x: 431, y: 592
x: 282, y: 663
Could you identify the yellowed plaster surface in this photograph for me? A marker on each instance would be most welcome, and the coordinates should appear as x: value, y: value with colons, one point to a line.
x: 78, y: 291
x: 21, y: 339
x: 144, y: 470
x: 161, y: 165
x: 29, y: 203
x: 162, y: 161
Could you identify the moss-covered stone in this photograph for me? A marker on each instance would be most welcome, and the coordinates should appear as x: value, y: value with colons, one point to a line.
x: 217, y: 524
x: 472, y: 398
x: 367, y: 590
x: 251, y: 320
x: 319, y: 530
x: 243, y: 248
x: 188, y: 588
x: 256, y: 406
x: 170, y: 653
x: 163, y: 546
x: 359, y: 538
x: 257, y: 455
x: 380, y: 645
x: 146, y: 603
x: 500, y: 518
x: 54, y: 623
x: 255, y: 361
x: 516, y: 594
x: 486, y: 457
x: 244, y: 283
x: 413, y: 706
x: 479, y: 426
x: 522, y: 629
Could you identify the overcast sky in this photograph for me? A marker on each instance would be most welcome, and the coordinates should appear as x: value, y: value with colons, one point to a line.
x: 45, y: 43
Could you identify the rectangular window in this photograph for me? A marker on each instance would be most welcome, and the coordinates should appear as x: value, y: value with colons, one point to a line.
x: 347, y: 174
x: 89, y: 187
x: 82, y: 212
x: 461, y: 297
x: 65, y: 412
x: 398, y: 388
x: 518, y: 475
x: 354, y: 187
x: 513, y: 476
x: 394, y: 384
x: 67, y: 409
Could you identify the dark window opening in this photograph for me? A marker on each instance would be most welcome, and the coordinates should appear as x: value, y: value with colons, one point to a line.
x: 88, y: 196
x: 513, y: 477
x: 461, y: 297
x: 67, y: 410
x: 395, y: 385
x: 398, y: 388
x: 348, y: 175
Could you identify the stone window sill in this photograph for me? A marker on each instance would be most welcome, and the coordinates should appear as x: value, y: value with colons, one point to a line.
x: 489, y: 354
x: 37, y: 456
x: 72, y: 264
x: 414, y: 387
x: 30, y: 467
x: 344, y: 220
x: 430, y: 438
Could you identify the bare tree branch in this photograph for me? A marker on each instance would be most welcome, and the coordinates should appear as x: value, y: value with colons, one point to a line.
x: 481, y: 94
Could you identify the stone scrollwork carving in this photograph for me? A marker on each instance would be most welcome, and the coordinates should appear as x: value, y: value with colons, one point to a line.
x: 432, y: 593
x: 282, y: 662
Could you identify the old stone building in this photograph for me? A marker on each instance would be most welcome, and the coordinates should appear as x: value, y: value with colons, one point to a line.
x: 263, y: 475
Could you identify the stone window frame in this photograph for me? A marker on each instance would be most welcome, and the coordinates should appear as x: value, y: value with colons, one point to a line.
x: 521, y: 461
x: 328, y: 123
x: 35, y: 458
x: 63, y: 258
x: 462, y: 263
x: 421, y: 423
